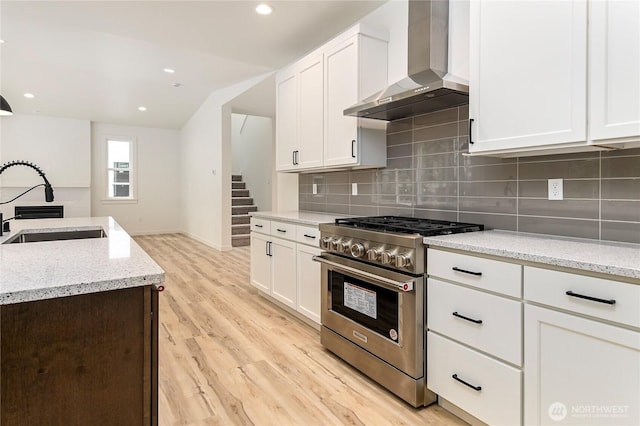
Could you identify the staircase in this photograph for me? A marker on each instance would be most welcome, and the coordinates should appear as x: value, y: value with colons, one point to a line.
x: 241, y: 205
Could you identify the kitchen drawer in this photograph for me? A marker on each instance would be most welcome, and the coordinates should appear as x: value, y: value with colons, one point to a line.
x: 498, y: 399
x: 486, y: 274
x: 308, y: 235
x: 550, y: 288
x: 499, y: 333
x: 283, y: 230
x: 262, y: 226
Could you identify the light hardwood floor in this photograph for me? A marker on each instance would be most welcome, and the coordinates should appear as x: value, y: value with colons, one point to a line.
x: 228, y: 356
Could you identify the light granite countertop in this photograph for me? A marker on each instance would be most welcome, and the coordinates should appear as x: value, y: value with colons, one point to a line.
x: 607, y: 257
x: 46, y: 270
x: 299, y: 217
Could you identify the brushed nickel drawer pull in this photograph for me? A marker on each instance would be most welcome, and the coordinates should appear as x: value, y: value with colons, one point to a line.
x: 464, y: 271
x: 476, y: 388
x: 257, y: 226
x: 310, y: 236
x: 475, y: 321
x: 594, y: 299
x: 281, y: 230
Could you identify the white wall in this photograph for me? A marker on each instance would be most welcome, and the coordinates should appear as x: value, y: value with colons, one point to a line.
x: 205, y: 158
x: 156, y: 208
x: 252, y: 155
x: 61, y: 147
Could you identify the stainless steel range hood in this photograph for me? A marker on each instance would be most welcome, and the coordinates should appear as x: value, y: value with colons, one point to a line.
x: 426, y: 88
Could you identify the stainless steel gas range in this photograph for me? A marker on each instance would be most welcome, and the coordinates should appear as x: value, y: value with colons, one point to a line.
x: 374, y: 297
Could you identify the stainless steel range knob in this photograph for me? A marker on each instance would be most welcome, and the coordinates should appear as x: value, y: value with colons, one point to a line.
x: 345, y: 246
x: 387, y: 257
x: 357, y: 250
x: 325, y: 242
x: 403, y: 260
x: 335, y: 245
x: 373, y: 254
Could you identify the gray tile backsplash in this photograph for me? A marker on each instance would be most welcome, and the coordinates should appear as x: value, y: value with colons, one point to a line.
x: 427, y: 175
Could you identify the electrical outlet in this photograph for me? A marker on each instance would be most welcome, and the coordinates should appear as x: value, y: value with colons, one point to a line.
x: 354, y: 188
x: 314, y: 188
x: 555, y: 189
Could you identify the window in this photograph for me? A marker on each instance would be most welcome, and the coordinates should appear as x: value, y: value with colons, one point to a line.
x: 120, y: 159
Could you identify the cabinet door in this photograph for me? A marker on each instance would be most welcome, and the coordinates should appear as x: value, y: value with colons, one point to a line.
x: 260, y: 262
x: 579, y: 371
x: 283, y: 271
x: 309, y: 278
x: 528, y: 74
x: 311, y: 112
x: 341, y: 91
x: 614, y: 65
x: 286, y: 122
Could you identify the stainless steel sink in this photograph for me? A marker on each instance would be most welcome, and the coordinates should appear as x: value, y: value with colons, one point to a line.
x: 32, y: 237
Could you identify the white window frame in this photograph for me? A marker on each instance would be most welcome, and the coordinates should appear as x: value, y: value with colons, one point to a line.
x: 133, y: 171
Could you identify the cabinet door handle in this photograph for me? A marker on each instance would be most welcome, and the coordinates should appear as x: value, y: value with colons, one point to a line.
x: 297, y: 158
x: 353, y: 148
x: 266, y: 248
x: 470, y: 126
x: 281, y: 230
x: 476, y: 388
x: 464, y: 271
x: 310, y: 236
x: 475, y: 321
x: 257, y: 226
x: 594, y: 299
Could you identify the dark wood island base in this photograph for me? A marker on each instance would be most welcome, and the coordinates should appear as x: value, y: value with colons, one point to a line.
x: 90, y: 359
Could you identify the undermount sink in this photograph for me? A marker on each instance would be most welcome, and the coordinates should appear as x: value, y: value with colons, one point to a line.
x: 32, y: 237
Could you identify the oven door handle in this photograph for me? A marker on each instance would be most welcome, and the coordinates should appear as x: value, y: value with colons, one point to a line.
x: 392, y: 284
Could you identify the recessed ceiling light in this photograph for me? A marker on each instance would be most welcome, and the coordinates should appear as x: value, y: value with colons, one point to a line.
x: 141, y: 108
x: 264, y: 9
x: 169, y: 70
x: 29, y: 95
x: 1, y: 41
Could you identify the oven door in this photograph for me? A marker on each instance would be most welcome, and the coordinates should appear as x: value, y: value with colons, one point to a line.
x: 379, y: 310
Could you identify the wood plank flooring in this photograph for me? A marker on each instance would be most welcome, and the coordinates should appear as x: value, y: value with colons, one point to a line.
x: 228, y: 356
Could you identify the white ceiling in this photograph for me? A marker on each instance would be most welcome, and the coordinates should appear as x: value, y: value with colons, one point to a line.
x: 101, y: 60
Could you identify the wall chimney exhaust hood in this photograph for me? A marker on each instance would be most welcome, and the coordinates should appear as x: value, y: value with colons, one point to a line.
x: 427, y: 87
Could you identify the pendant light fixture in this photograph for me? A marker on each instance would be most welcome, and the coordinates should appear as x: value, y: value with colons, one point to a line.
x: 5, y: 108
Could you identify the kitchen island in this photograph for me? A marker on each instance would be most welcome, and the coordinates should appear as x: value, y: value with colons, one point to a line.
x: 78, y: 325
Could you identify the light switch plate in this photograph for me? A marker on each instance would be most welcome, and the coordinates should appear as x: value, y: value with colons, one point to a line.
x: 314, y: 189
x: 555, y: 189
x: 354, y: 189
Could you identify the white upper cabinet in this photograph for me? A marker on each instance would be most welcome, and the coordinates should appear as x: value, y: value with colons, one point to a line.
x: 528, y: 75
x: 299, y: 115
x: 614, y: 66
x: 354, y: 69
x: 286, y: 120
x: 312, y: 94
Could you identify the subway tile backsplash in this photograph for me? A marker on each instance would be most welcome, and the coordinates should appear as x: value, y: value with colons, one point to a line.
x: 427, y: 175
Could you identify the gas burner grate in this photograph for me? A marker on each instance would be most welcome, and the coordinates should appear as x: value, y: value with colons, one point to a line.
x: 408, y: 225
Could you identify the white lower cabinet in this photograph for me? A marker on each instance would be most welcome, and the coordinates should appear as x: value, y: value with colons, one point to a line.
x: 474, y: 338
x: 282, y: 264
x: 482, y: 386
x: 579, y: 371
x: 309, y: 278
x: 582, y: 349
x: 283, y: 260
x: 260, y: 262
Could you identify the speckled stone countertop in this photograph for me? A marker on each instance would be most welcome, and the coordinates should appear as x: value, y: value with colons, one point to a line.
x: 300, y: 217
x: 51, y: 269
x: 607, y: 257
